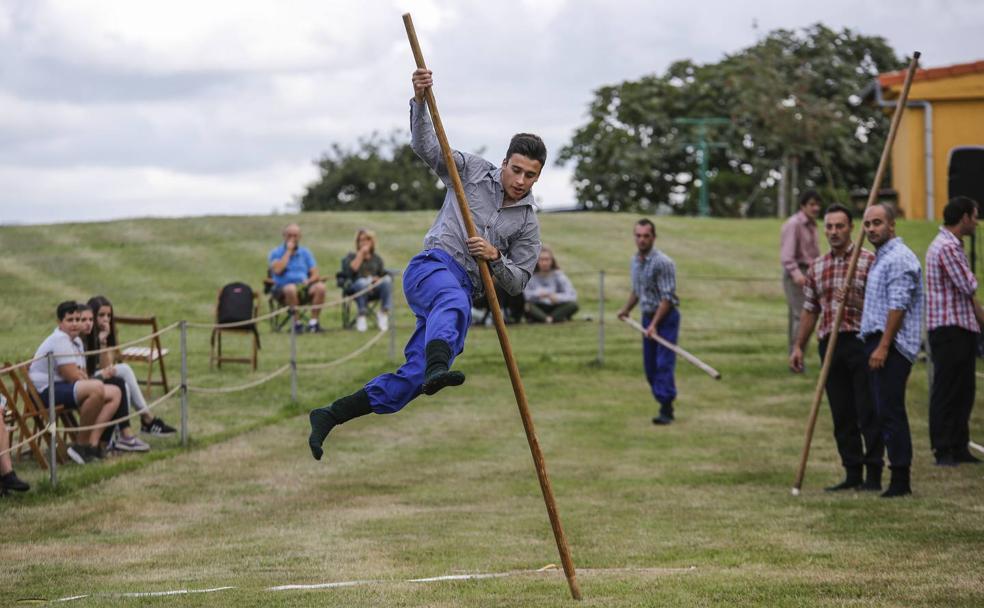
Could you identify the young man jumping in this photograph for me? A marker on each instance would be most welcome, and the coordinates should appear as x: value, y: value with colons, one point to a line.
x: 441, y: 280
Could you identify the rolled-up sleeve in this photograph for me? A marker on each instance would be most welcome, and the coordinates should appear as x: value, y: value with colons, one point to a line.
x: 513, y: 269
x: 900, y: 287
x: 958, y: 271
x: 811, y: 297
x: 665, y: 277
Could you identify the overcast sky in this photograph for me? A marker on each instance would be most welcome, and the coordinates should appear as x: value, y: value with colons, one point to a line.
x: 113, y: 108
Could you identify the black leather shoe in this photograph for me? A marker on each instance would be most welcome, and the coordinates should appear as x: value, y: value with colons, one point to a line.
x: 847, y: 484
x: 662, y: 420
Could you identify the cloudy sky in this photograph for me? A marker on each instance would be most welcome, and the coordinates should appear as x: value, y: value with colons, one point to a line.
x: 124, y: 108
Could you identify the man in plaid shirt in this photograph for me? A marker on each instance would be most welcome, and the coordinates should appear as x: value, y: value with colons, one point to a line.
x: 856, y: 428
x: 654, y: 289
x: 953, y: 317
x: 891, y: 327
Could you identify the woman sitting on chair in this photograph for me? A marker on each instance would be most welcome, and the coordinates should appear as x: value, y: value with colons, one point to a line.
x: 550, y: 297
x: 104, y: 365
x: 362, y: 267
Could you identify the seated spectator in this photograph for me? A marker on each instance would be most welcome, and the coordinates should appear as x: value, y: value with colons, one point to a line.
x: 550, y: 297
x: 96, y: 402
x: 105, y: 366
x: 359, y: 269
x: 8, y: 478
x: 295, y: 277
x: 123, y: 440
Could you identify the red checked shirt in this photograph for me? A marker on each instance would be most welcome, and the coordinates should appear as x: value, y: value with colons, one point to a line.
x: 825, y: 277
x: 950, y: 285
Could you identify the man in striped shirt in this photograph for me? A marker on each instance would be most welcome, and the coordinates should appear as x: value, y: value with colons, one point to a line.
x: 856, y: 428
x: 654, y: 289
x: 953, y: 317
x: 891, y: 329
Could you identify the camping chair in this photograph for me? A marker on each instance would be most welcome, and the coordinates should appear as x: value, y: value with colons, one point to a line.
x: 282, y: 320
x: 344, y: 281
x: 236, y: 302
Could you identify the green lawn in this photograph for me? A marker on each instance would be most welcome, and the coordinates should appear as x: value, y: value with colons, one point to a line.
x: 698, y: 513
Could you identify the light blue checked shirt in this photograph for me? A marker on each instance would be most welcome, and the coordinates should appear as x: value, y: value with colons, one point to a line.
x: 654, y: 280
x: 894, y: 283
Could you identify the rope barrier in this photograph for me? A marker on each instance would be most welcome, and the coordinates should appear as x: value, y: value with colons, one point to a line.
x: 115, y: 421
x: 234, y: 324
x: 50, y: 429
x: 348, y: 298
x: 347, y: 357
x: 241, y: 387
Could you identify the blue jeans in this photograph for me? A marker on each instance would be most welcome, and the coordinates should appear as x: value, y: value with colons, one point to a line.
x: 384, y: 288
x: 438, y: 292
x: 660, y: 361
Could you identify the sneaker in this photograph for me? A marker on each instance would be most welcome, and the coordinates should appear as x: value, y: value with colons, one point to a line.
x: 298, y: 328
x: 11, y: 481
x: 360, y: 323
x: 130, y: 444
x: 157, y: 427
x: 83, y: 454
x: 314, y: 327
x: 382, y: 320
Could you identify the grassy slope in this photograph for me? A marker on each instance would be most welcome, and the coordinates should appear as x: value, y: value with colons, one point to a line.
x: 447, y: 486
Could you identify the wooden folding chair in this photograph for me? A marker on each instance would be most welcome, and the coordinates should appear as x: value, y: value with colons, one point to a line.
x: 215, y: 356
x: 34, y: 411
x: 19, y: 428
x: 154, y: 353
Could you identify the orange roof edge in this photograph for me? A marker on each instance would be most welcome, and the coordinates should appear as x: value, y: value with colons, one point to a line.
x: 893, y: 78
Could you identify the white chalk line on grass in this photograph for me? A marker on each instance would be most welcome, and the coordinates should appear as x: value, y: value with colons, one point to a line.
x: 358, y: 583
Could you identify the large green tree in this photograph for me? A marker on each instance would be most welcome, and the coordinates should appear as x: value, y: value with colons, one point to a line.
x: 791, y: 100
x: 379, y: 174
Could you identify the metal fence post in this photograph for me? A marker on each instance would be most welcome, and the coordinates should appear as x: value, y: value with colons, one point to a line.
x: 601, y: 317
x: 53, y: 447
x: 293, y: 360
x: 184, y: 383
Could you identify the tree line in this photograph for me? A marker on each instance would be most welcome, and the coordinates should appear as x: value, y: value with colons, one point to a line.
x: 788, y: 116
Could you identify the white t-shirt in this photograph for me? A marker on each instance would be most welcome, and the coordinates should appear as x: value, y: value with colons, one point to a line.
x: 66, y: 350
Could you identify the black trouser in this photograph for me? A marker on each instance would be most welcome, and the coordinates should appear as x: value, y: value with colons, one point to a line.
x: 123, y: 410
x: 512, y: 305
x: 850, y: 403
x: 888, y: 394
x: 562, y: 311
x: 954, y: 351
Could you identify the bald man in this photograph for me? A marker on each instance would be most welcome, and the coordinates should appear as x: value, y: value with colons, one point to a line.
x: 295, y: 277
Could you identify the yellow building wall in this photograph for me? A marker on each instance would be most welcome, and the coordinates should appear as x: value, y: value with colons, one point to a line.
x: 958, y: 120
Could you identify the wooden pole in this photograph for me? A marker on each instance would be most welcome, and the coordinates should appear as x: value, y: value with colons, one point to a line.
x: 851, y: 268
x: 710, y: 371
x: 500, y: 327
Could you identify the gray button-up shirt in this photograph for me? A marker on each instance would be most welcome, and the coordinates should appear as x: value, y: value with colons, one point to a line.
x: 513, y: 229
x: 654, y: 280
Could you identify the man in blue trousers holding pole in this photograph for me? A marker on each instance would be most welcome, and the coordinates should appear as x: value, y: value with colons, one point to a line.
x: 441, y: 280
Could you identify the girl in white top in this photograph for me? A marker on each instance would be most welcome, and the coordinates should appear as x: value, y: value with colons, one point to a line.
x: 550, y: 296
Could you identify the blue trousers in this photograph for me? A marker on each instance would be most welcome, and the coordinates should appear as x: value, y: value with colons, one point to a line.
x: 888, y: 393
x: 438, y: 292
x: 660, y: 361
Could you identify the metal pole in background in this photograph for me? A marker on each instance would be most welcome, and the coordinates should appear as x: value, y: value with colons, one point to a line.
x: 293, y: 360
x: 53, y: 446
x: 601, y: 317
x: 184, y: 384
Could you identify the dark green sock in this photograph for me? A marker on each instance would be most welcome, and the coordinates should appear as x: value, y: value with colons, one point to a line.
x: 324, y: 419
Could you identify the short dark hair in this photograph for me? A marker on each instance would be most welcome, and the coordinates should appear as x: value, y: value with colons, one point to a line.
x: 528, y: 145
x: 810, y: 195
x: 647, y: 222
x: 958, y: 207
x: 66, y: 308
x: 838, y: 208
x: 890, y: 212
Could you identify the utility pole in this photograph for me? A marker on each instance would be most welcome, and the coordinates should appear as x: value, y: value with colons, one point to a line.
x: 703, y: 148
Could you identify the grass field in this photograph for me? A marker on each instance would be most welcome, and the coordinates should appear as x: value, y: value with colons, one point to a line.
x: 696, y: 514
